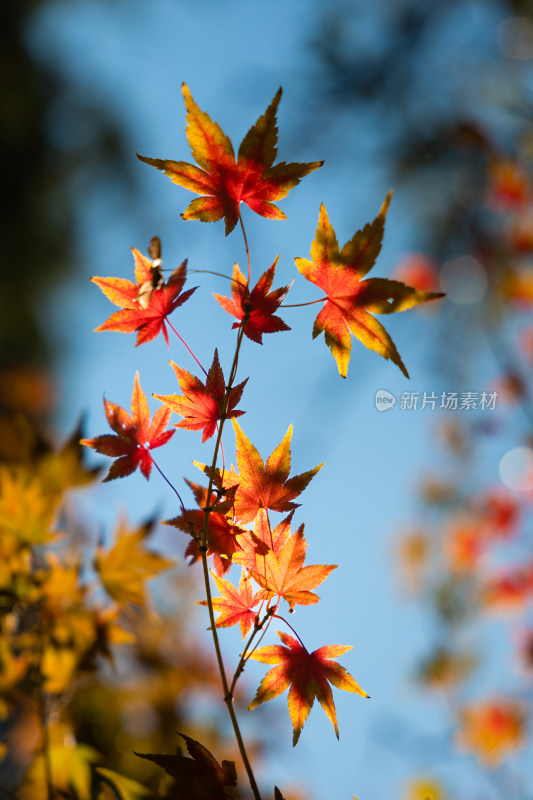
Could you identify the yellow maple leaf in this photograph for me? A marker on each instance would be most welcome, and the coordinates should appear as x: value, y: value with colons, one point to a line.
x: 26, y: 508
x: 128, y: 564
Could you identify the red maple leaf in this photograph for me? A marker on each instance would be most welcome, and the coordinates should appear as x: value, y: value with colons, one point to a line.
x: 256, y: 307
x: 263, y: 485
x: 134, y: 436
x: 236, y: 605
x: 307, y: 674
x: 202, y: 404
x: 282, y: 574
x: 143, y: 309
x: 222, y: 534
x: 225, y: 182
x: 349, y: 299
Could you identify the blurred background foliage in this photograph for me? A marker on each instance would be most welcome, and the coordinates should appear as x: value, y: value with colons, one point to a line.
x: 456, y: 140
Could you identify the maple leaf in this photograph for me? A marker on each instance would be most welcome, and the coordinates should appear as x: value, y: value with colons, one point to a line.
x: 70, y: 767
x: 140, y: 310
x: 134, y: 436
x: 221, y: 536
x: 307, y: 674
x: 267, y: 485
x: 236, y: 605
x: 282, y: 573
x: 202, y: 404
x: 124, y: 568
x: 225, y: 182
x: 124, y: 788
x: 65, y: 468
x: 256, y: 544
x: 255, y: 309
x: 198, y: 778
x: 221, y: 532
x: 26, y: 507
x: 351, y: 301
x: 493, y: 729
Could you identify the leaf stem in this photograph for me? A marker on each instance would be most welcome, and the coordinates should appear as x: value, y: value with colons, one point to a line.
x: 247, y: 655
x: 278, y: 616
x: 169, y: 482
x: 184, y: 343
x: 300, y: 305
x: 247, y: 248
x: 43, y: 716
x: 221, y: 275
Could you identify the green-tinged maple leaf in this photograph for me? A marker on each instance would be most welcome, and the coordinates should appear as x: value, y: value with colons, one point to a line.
x: 124, y: 788
x: 124, y: 568
x: 202, y: 404
x: 307, y: 674
x: 236, y: 605
x: 255, y: 309
x: 225, y: 182
x: 145, y: 304
x: 351, y: 301
x: 65, y: 468
x: 134, y: 436
x: 70, y: 769
x: 267, y: 485
x: 198, y: 778
x: 282, y: 574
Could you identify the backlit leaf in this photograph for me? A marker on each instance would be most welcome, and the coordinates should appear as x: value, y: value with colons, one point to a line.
x: 308, y: 675
x: 351, y: 301
x: 134, y: 436
x: 225, y: 182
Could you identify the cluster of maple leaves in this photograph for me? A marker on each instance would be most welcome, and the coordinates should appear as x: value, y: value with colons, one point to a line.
x: 233, y: 522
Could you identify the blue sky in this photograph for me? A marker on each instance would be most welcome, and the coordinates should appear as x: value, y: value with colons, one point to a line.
x: 233, y: 56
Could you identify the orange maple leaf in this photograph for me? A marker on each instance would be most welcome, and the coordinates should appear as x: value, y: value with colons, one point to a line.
x: 202, y: 404
x: 493, y: 729
x: 141, y: 310
x: 236, y: 606
x: 349, y: 299
x: 134, y: 436
x: 224, y: 182
x: 255, y: 309
x: 256, y: 544
x: 282, y: 574
x: 307, y: 674
x: 267, y: 485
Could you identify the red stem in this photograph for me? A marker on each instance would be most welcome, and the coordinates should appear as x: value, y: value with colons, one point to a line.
x: 277, y: 616
x: 184, y: 343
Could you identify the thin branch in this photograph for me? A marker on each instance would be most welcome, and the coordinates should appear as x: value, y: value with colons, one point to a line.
x: 228, y: 695
x: 43, y: 716
x: 247, y: 248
